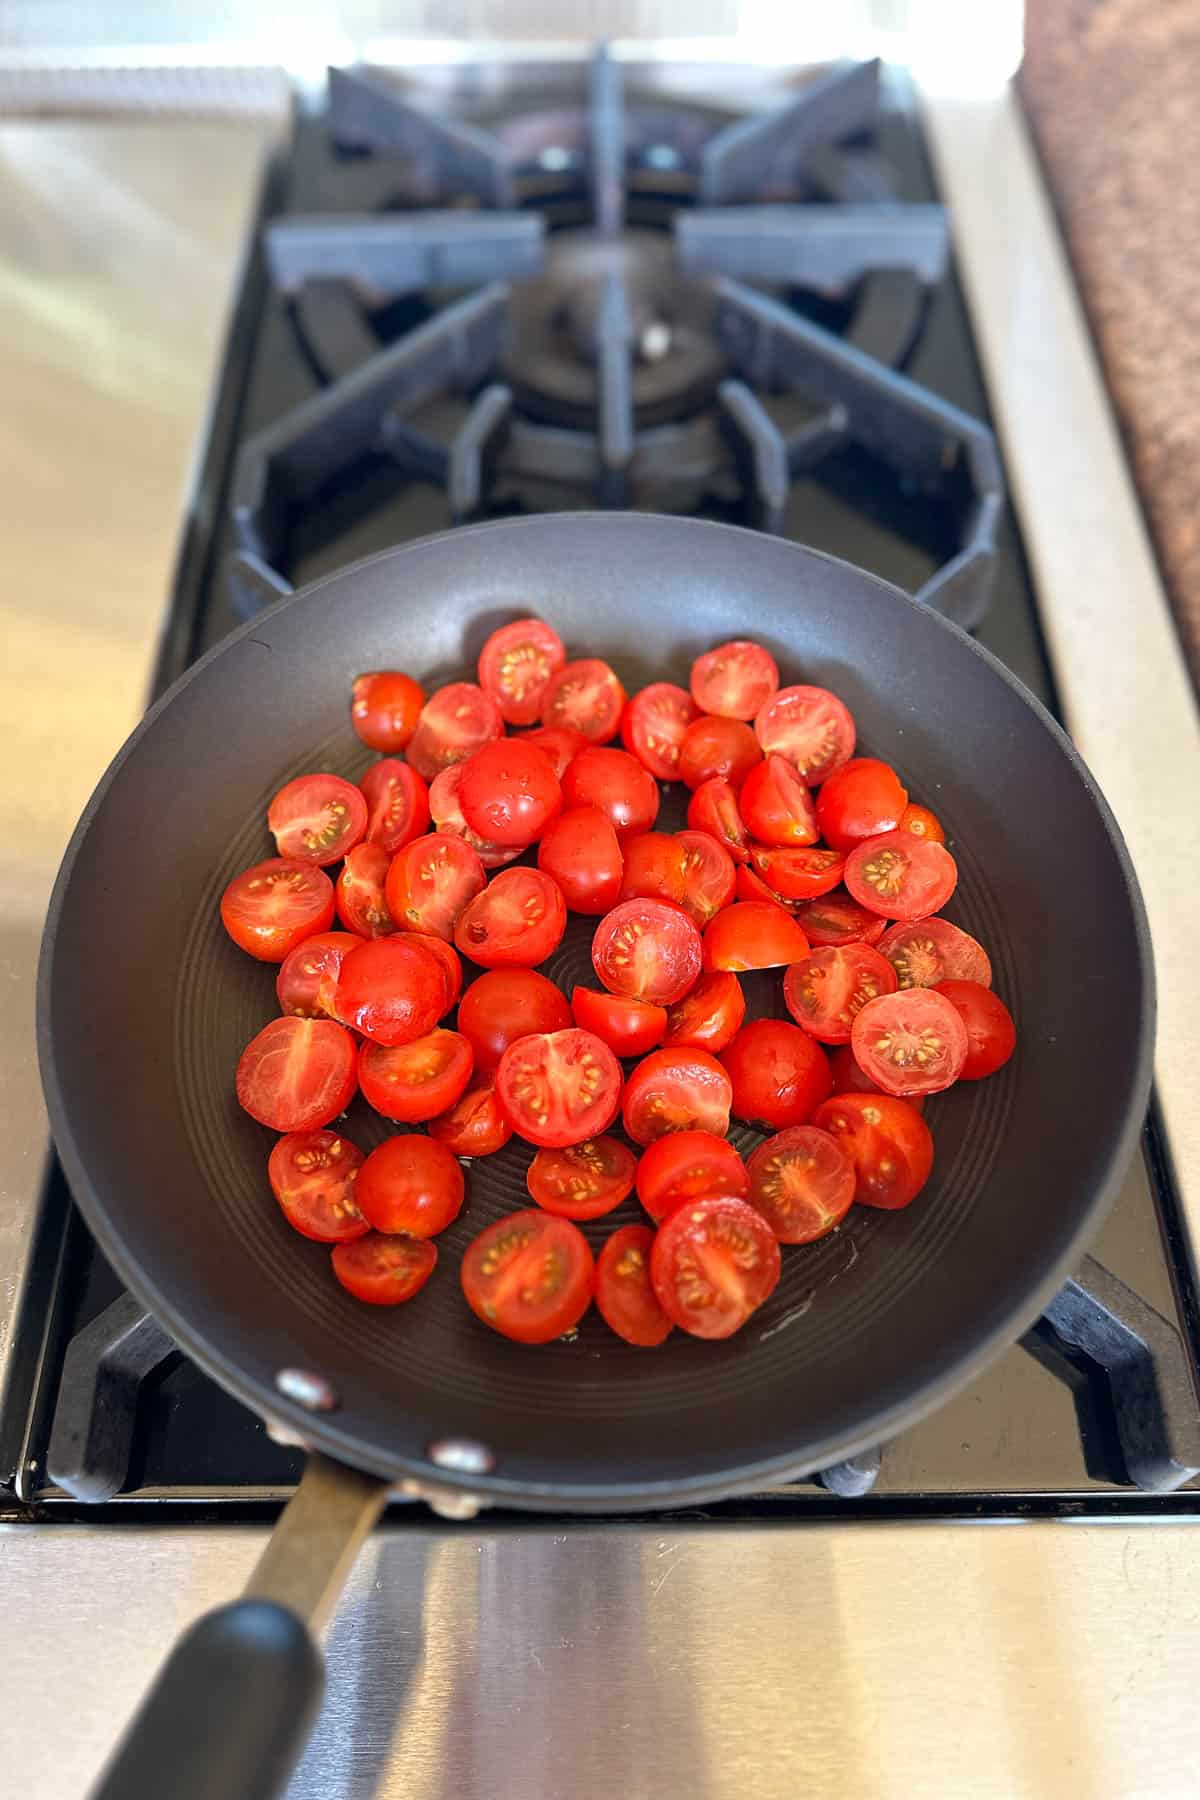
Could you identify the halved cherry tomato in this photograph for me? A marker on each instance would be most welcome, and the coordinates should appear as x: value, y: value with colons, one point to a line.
x: 270, y: 908
x: 776, y: 805
x: 797, y: 874
x: 415, y: 1082
x: 559, y: 743
x: 802, y: 1182
x: 676, y: 1090
x: 930, y: 951
x: 686, y: 1166
x: 624, y: 1292
x: 298, y: 984
x: 901, y: 876
x: 312, y: 1175
x: 448, y: 958
x: 392, y: 989
x: 647, y: 950
x: 717, y: 749
x: 848, y: 1078
x: 559, y: 1087
x: 735, y: 680
x: 922, y: 823
x: 587, y: 696
x: 749, y: 886
x: 476, y: 1124
x: 445, y: 807
x: 509, y: 793
x: 397, y: 802
x: 582, y: 1181
x: 690, y: 868
x: 455, y: 722
x: 913, y: 1042
x: 529, y: 1276
x: 753, y: 934
x: 317, y: 818
x: 653, y: 725
x: 517, y: 920
x: 384, y: 1271
x: 779, y: 1075
x: 709, y: 1017
x: 615, y: 782
x: 713, y: 1264
x: 430, y: 882
x: 410, y: 1184
x: 507, y: 1004
x: 886, y: 1140
x: 628, y: 1027
x: 836, y: 919
x: 581, y: 853
x: 991, y: 1034
x: 862, y: 799
x: 515, y: 665
x: 713, y: 808
x: 359, y: 895
x: 826, y: 991
x: 384, y: 708
x: 809, y: 726
x: 297, y: 1074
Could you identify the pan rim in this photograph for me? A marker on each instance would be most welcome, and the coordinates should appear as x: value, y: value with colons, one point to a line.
x: 870, y: 1425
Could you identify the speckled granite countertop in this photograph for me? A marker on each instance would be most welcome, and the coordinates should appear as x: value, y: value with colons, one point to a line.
x: 1111, y: 89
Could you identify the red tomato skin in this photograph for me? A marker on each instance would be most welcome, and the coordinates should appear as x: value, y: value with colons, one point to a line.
x: 616, y: 784
x: 688, y: 1165
x: 814, y: 1217
x: 735, y: 680
x: 628, y: 1027
x: 477, y: 934
x: 445, y: 809
x: 298, y: 984
x: 410, y: 1184
x: 835, y: 920
x: 384, y: 708
x: 261, y: 938
x: 447, y: 959
x: 347, y: 826
x: 647, y: 950
x: 475, y: 1125
x: 689, y: 868
x: 991, y: 1033
x: 538, y: 1228
x: 930, y: 951
x: 753, y: 934
x: 359, y: 893
x: 455, y: 722
x: 713, y: 808
x: 582, y: 1181
x: 599, y: 1107
x: 587, y: 696
x: 922, y: 823
x: 558, y: 743
x: 580, y: 851
x: 397, y: 804
x: 382, y: 1270
x: 653, y: 725
x: 811, y: 989
x: 714, y: 1221
x: 509, y: 793
x: 797, y: 873
x: 625, y: 1296
x: 848, y: 1078
x: 515, y: 666
x: 777, y: 805
x: 709, y: 1017
x: 782, y: 727
x: 778, y: 1073
x: 391, y: 989
x: 877, y: 1128
x: 279, y: 1039
x: 900, y: 876
x: 507, y: 1004
x: 430, y: 882
x: 701, y: 1102
x: 717, y: 749
x: 441, y: 1063
x: 329, y: 1162
x: 862, y: 799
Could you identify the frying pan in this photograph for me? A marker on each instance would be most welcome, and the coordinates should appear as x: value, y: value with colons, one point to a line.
x: 145, y: 1005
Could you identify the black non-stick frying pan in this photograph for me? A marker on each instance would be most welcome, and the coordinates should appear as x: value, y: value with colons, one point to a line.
x: 145, y: 1005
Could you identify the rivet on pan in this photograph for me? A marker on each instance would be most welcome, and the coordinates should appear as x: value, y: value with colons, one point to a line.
x: 311, y: 1391
x: 461, y: 1455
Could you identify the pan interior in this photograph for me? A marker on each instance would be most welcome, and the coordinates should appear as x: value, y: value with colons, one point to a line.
x: 146, y: 1006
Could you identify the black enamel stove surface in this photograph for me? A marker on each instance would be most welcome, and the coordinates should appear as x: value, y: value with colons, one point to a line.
x: 575, y: 292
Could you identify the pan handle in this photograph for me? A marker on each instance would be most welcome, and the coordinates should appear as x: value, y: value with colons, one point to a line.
x: 231, y: 1709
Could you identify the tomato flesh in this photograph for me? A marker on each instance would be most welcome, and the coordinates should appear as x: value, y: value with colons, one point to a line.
x: 826, y: 992
x: 582, y: 1181
x: 676, y: 1090
x: 416, y: 1081
x: 397, y: 804
x: 313, y: 1176
x: 991, y: 1033
x: 718, y: 749
x: 384, y: 1271
x: 455, y: 722
x: 911, y: 1042
x: 616, y: 784
x: 653, y: 726
x: 887, y: 1141
x: 515, y: 666
x: 430, y: 882
x: 795, y: 874
x: 712, y: 1266
x: 516, y: 921
x: 410, y: 1184
x: 392, y: 989
x: 835, y: 920
x: 297, y: 1074
x: 270, y: 908
x: 862, y: 799
x: 559, y: 1087
x: 625, y: 1296
x: 779, y: 1075
x: 475, y: 1125
x: 628, y: 1027
x: 753, y: 934
x: 302, y: 971
x: 317, y: 818
x: 901, y: 876
x: 685, y: 1166
x: 931, y: 951
x: 802, y: 1182
x: 777, y: 805
x: 709, y: 1017
x: 811, y: 727
x: 848, y: 1078
x: 507, y: 1004
x: 359, y: 894
x: 529, y: 1276
x: 713, y: 808
x: 586, y: 696
x: 647, y: 950
x: 385, y: 706
x: 509, y: 793
x: 581, y: 853
x: 735, y: 680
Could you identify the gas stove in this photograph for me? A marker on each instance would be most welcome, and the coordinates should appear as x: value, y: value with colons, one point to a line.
x: 512, y: 288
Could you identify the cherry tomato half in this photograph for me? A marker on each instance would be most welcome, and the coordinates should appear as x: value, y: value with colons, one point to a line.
x: 317, y: 818
x: 717, y: 749
x: 749, y: 886
x: 298, y: 984
x: 558, y: 743
x: 709, y: 1017
x: 559, y: 1087
x: 991, y: 1033
x: 312, y: 1175
x: 617, y: 784
x: 779, y: 1075
x: 809, y: 726
x: 476, y: 1124
x: 517, y: 920
x: 930, y: 951
x: 735, y: 680
x: 676, y: 1090
x: 713, y: 1264
x: 445, y: 808
x: 826, y: 991
x: 509, y: 793
x: 690, y: 869
x: 653, y: 726
x: 392, y: 989
x: 624, y: 1292
x: 587, y: 696
x: 628, y: 1027
x: 713, y: 808
x: 901, y: 876
x: 797, y: 874
x: 384, y: 1271
x: 848, y: 1078
x: 270, y: 908
x: 802, y: 1182
x: 777, y: 805
x: 887, y: 1141
x: 415, y: 1082
x: 455, y: 722
x: 835, y: 919
x: 922, y: 823
x: 753, y: 934
x: 384, y: 708
x: 581, y: 853
x: 515, y: 666
x: 397, y: 804
x: 529, y: 1276
x: 359, y: 893
x: 297, y: 1074
x: 410, y: 1184
x: 686, y: 1166
x: 862, y: 799
x: 647, y: 950
x: 507, y: 1004
x: 913, y: 1042
x: 582, y: 1181
x: 430, y: 883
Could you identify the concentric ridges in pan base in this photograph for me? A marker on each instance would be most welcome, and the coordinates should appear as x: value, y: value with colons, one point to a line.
x: 222, y: 998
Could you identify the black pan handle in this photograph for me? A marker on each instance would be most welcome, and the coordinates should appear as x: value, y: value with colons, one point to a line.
x: 231, y: 1710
